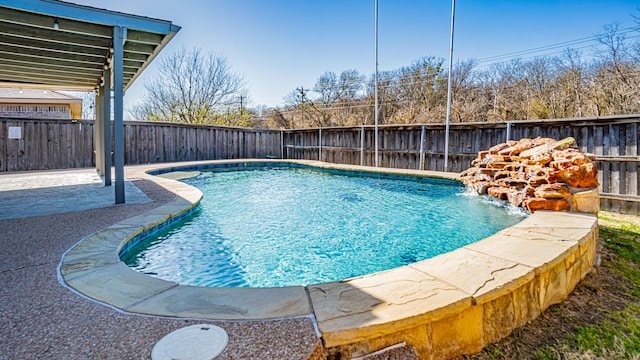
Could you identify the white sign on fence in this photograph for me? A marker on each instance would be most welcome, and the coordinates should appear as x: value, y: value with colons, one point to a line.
x: 15, y: 132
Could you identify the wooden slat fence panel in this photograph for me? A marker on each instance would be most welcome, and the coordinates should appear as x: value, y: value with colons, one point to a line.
x: 614, y: 141
x: 58, y: 144
x: 46, y: 144
x: 62, y: 143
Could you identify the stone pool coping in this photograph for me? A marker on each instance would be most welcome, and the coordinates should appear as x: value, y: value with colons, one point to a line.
x: 449, y: 305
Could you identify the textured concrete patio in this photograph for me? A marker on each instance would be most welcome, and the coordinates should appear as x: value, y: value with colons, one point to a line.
x: 28, y: 194
x: 41, y: 318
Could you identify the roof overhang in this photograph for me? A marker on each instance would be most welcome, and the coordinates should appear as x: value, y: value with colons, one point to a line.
x: 51, y: 44
x: 40, y: 101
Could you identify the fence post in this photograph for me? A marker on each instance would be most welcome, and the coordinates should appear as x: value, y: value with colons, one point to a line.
x: 282, y: 144
x: 320, y: 144
x: 362, y: 145
x: 421, y: 164
x: 508, y: 130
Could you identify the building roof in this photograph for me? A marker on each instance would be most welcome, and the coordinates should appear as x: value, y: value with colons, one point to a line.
x: 41, y: 97
x: 61, y: 45
x: 27, y: 95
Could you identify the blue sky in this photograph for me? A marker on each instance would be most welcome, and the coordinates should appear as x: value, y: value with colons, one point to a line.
x: 278, y: 45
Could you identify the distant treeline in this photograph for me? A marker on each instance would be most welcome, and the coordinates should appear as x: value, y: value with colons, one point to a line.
x: 565, y: 85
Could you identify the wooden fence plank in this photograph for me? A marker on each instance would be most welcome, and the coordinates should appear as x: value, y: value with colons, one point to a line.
x: 4, y: 138
x: 12, y: 149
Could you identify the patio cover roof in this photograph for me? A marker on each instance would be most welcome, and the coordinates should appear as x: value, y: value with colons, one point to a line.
x: 60, y: 45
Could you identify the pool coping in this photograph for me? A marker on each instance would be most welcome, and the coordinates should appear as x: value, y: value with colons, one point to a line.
x: 423, y: 304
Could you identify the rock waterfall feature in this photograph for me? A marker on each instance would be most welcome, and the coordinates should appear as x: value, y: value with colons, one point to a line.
x: 537, y: 174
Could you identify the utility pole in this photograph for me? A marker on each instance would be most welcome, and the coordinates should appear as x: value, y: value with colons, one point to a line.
x: 301, y: 89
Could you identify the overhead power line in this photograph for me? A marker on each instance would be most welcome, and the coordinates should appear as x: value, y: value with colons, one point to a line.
x: 482, y: 63
x: 545, y: 50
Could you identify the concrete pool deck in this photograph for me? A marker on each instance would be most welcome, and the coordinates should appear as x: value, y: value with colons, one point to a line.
x: 41, y: 319
x: 447, y: 306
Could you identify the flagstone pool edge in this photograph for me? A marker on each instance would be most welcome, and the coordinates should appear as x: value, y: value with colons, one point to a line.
x: 433, y: 305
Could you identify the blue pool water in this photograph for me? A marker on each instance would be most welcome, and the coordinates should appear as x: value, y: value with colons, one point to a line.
x: 282, y: 226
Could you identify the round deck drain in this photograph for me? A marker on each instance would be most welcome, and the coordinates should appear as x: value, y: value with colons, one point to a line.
x: 195, y: 342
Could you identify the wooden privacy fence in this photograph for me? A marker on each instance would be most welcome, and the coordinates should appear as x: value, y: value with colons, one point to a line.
x: 152, y: 142
x: 61, y: 144
x: 38, y: 144
x: 45, y: 144
x: 614, y: 141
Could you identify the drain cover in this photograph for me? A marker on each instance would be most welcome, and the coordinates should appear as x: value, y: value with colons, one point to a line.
x: 195, y: 342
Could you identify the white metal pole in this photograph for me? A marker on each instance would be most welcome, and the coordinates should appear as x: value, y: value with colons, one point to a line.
x: 446, y: 137
x: 377, y: 161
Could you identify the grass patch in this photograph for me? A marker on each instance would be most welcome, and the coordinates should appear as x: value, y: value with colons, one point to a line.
x: 618, y: 335
x: 600, y: 319
x: 623, y: 239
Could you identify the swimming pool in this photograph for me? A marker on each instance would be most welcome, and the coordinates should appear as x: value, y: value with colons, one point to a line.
x: 277, y: 225
x: 482, y: 290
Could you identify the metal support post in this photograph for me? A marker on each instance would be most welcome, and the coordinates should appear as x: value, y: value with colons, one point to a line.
x: 119, y: 34
x: 106, y: 126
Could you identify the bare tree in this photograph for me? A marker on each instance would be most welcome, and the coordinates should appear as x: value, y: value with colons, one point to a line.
x: 421, y: 90
x: 388, y: 102
x: 562, y: 86
x: 501, y: 85
x: 571, y: 79
x: 88, y: 102
x: 298, y: 108
x: 328, y: 89
x: 466, y: 99
x: 191, y: 87
x: 280, y: 120
x: 617, y: 77
x: 335, y: 93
